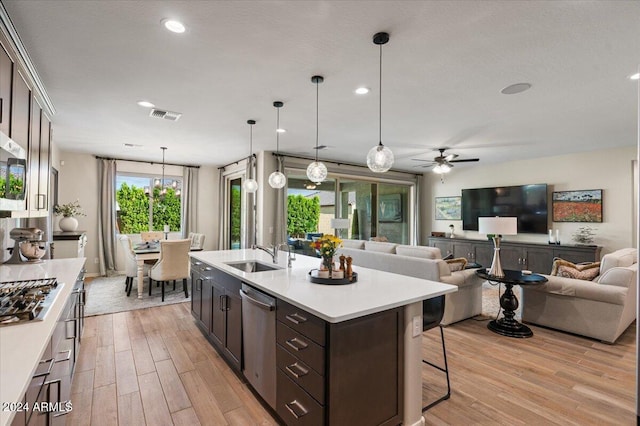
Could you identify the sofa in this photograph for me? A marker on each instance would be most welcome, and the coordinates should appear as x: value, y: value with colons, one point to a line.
x: 601, y: 308
x: 422, y: 262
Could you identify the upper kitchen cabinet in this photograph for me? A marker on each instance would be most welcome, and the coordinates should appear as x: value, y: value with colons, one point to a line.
x: 6, y: 78
x: 25, y: 123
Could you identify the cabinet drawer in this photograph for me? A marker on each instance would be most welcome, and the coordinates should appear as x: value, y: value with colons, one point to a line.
x: 301, y: 374
x: 295, y: 406
x: 303, y: 322
x: 301, y: 347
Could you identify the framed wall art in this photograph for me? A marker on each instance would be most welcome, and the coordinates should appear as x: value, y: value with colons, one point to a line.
x: 577, y: 206
x: 390, y: 208
x: 448, y: 208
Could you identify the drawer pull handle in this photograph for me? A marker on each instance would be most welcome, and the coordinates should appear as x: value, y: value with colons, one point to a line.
x: 300, y: 370
x: 295, y: 403
x: 296, y: 318
x: 45, y: 373
x: 296, y: 344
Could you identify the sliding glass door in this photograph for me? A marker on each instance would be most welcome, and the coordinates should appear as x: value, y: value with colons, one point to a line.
x: 379, y: 210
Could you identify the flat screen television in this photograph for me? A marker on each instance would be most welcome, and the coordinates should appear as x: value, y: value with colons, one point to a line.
x: 526, y: 202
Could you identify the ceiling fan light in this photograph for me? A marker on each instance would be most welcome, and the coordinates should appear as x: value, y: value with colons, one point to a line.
x: 438, y: 169
x: 379, y: 159
x: 317, y: 172
x: 250, y: 185
x: 445, y: 168
x: 277, y: 180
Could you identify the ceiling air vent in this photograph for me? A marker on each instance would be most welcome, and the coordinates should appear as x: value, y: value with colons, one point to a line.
x: 167, y: 115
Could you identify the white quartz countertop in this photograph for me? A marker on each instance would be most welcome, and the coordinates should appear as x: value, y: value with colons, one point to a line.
x: 375, y: 291
x: 22, y: 345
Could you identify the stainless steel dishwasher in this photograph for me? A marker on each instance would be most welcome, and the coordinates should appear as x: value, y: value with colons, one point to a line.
x: 259, y: 340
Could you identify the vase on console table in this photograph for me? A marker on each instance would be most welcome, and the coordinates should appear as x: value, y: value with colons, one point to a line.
x: 68, y: 224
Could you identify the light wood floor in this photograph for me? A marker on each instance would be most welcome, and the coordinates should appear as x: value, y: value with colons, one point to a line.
x: 154, y: 367
x: 550, y: 378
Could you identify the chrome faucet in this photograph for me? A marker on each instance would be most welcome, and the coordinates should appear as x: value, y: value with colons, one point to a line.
x: 273, y: 252
x: 289, y: 259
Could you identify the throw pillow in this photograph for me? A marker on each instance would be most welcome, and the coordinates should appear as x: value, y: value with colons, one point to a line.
x: 580, y: 271
x: 457, y: 264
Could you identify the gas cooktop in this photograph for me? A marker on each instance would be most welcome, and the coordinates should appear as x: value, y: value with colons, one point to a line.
x: 28, y: 300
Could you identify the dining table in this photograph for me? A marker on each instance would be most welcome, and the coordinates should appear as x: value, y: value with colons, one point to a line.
x: 145, y: 252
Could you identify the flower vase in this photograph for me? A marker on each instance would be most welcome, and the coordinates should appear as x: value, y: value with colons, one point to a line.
x: 68, y: 224
x: 327, y: 263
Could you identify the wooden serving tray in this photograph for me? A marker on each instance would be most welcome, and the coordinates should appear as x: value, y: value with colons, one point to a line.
x: 332, y: 281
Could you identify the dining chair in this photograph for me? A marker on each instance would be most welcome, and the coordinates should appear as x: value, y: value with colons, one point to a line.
x: 146, y: 236
x: 197, y: 241
x: 432, y: 313
x: 172, y: 265
x: 131, y: 266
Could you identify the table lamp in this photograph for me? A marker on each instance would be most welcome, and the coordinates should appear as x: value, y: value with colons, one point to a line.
x: 338, y: 223
x: 498, y: 226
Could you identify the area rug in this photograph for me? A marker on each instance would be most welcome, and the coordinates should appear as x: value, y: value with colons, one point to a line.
x: 491, y: 300
x: 106, y: 295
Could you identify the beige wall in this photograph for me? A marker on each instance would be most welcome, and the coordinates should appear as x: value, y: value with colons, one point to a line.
x: 610, y: 170
x: 78, y: 179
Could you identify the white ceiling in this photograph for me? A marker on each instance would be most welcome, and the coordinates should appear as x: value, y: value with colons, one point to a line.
x: 443, y: 71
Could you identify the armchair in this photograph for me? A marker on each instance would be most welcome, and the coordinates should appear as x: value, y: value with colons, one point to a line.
x: 601, y: 309
x: 151, y: 236
x: 131, y: 266
x: 197, y: 241
x: 172, y: 265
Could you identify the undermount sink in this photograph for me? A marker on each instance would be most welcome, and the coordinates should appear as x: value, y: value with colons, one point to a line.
x: 252, y: 266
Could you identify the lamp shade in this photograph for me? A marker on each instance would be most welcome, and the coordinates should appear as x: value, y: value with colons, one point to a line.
x: 338, y: 223
x: 498, y: 225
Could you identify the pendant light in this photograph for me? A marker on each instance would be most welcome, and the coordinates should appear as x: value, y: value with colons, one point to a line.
x: 317, y: 171
x: 277, y: 179
x: 380, y: 158
x: 250, y: 185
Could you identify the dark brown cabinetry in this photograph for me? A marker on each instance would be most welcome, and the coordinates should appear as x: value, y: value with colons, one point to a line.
x: 322, y: 368
x: 26, y: 122
x: 217, y: 307
x: 6, y: 77
x: 226, y: 326
x: 513, y: 255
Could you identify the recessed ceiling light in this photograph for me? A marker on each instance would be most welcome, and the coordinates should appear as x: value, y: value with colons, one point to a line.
x: 515, y: 88
x: 146, y: 104
x: 635, y: 76
x: 362, y: 90
x: 281, y: 130
x: 173, y: 26
x: 132, y: 146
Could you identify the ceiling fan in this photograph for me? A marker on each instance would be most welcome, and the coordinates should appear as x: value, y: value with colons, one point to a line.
x: 442, y: 163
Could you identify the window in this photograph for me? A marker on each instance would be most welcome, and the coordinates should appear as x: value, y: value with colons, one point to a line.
x: 351, y: 198
x: 138, y: 208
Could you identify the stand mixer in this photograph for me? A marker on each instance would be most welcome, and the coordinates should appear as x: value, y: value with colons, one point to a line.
x: 29, y: 246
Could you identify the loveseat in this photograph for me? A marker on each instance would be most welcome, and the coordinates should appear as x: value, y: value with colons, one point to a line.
x: 422, y: 262
x: 601, y: 308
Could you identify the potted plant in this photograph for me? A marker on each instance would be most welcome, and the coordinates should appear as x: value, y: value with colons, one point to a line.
x: 68, y: 212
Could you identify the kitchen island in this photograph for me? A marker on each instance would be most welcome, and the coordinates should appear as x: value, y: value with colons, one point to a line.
x: 22, y: 345
x: 375, y: 293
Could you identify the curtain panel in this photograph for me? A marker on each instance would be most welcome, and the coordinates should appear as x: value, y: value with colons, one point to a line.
x: 107, y: 224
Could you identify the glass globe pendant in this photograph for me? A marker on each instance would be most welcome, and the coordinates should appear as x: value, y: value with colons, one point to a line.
x: 380, y: 158
x: 250, y: 185
x: 277, y: 179
x: 317, y: 171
